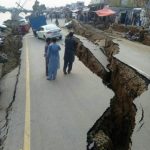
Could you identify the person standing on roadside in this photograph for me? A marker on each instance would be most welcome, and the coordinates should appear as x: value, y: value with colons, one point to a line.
x: 69, y: 55
x: 48, y: 41
x: 53, y: 60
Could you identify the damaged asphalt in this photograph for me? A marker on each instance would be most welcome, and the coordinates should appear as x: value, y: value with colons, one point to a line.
x: 61, y: 112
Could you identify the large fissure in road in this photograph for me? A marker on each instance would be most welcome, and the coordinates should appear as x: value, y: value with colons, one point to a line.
x: 113, y: 130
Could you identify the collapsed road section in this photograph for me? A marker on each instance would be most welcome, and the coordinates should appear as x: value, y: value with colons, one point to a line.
x: 113, y: 130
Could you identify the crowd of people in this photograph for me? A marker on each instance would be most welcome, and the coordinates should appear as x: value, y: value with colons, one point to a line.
x: 52, y: 58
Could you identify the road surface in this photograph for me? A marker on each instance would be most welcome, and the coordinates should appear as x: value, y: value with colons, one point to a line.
x: 58, y: 114
x: 134, y: 54
x: 54, y: 115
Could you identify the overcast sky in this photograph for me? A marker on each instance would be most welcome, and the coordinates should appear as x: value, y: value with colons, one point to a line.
x: 29, y: 3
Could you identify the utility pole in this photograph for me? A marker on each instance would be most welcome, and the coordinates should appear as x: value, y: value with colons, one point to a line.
x: 15, y: 13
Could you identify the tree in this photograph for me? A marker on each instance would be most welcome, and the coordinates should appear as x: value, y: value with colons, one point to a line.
x: 42, y: 7
x: 37, y: 8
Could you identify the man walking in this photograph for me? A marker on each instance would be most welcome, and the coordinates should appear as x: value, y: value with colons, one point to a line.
x: 69, y: 55
x: 53, y: 60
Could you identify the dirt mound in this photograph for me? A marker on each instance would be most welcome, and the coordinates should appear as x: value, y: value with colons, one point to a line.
x: 134, y: 30
x: 87, y: 31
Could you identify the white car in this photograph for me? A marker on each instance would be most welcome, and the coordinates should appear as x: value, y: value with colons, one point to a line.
x: 49, y: 31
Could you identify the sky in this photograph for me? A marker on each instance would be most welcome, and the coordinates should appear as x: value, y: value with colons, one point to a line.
x: 49, y: 3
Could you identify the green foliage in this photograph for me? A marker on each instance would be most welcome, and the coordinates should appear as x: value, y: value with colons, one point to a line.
x: 37, y: 7
x: 42, y: 7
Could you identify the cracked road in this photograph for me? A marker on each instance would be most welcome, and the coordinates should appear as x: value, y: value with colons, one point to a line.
x: 58, y: 114
x: 53, y: 115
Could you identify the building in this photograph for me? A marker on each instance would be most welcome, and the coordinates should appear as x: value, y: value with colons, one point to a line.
x: 95, y: 2
x: 77, y: 5
x: 127, y: 3
x: 121, y: 3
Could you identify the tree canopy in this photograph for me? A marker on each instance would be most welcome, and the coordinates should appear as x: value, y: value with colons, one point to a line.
x: 37, y: 7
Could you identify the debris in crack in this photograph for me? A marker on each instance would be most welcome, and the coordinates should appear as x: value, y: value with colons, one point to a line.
x: 127, y: 84
x: 116, y: 125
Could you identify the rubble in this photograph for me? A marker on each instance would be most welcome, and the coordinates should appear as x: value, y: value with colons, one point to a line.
x: 134, y: 29
x: 116, y: 125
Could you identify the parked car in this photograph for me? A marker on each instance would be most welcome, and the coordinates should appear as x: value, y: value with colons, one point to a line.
x: 49, y: 31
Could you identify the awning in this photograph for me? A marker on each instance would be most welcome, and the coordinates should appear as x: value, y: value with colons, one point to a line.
x: 105, y: 12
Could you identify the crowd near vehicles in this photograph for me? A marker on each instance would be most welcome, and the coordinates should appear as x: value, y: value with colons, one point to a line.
x: 49, y: 31
x: 42, y: 30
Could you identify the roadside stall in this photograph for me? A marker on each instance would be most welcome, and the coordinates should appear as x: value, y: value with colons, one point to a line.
x: 105, y: 12
x: 106, y: 17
